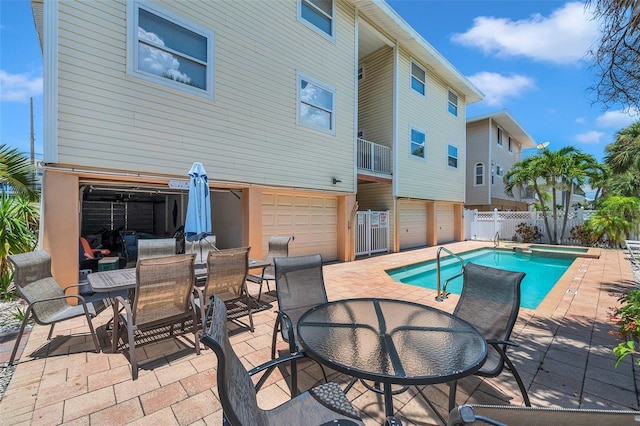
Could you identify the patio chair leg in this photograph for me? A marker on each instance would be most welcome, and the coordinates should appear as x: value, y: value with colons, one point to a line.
x: 50, y: 331
x: 513, y: 370
x: 294, y: 378
x: 132, y: 353
x: 93, y: 333
x: 19, y: 336
x: 274, y: 338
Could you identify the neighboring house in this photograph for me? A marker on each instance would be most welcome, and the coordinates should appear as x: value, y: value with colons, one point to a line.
x: 494, y: 144
x: 266, y: 96
x: 411, y: 132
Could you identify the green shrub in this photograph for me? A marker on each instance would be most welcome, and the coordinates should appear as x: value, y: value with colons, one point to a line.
x: 627, y: 318
x: 528, y: 233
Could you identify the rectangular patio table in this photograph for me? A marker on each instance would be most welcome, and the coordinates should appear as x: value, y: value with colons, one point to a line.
x: 125, y: 279
x: 391, y: 342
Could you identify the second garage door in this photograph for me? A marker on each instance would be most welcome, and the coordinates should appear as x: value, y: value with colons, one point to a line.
x: 312, y: 219
x: 445, y: 224
x: 413, y: 224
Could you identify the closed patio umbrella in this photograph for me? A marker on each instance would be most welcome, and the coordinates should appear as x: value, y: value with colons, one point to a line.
x: 198, y: 221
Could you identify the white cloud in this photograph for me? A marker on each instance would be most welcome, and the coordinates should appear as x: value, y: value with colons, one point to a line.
x: 618, y: 119
x: 580, y: 120
x: 563, y: 37
x: 497, y: 87
x: 19, y: 87
x: 592, y: 137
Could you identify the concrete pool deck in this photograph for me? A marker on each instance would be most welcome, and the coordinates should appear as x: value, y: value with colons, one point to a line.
x: 564, y: 357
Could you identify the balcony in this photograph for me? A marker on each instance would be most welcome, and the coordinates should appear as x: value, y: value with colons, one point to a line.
x: 374, y: 161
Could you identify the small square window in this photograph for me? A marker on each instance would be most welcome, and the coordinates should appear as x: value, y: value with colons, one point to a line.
x: 418, y: 140
x: 316, y: 105
x: 499, y: 170
x: 361, y: 72
x: 418, y: 78
x: 452, y: 157
x: 453, y: 103
x: 318, y: 14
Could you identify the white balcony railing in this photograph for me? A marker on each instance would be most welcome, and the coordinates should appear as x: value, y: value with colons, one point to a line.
x: 373, y: 157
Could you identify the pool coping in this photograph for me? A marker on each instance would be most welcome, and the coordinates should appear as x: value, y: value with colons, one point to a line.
x: 592, y: 252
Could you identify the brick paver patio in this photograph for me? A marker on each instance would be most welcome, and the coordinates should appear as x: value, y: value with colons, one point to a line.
x: 564, y: 358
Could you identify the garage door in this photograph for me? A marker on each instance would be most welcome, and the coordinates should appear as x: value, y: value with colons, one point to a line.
x: 413, y: 224
x: 313, y: 220
x: 444, y: 215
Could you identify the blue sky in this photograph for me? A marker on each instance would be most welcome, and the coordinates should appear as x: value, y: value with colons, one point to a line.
x: 526, y: 56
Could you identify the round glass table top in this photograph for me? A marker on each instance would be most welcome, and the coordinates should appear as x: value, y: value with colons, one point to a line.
x: 391, y: 341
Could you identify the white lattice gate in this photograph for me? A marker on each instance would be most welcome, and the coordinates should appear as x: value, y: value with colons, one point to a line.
x: 372, y: 232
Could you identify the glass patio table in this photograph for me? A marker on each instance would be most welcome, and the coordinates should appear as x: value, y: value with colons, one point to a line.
x: 392, y: 342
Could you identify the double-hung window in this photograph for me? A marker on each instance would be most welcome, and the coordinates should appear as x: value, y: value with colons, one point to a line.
x: 418, y: 78
x: 316, y: 105
x: 499, y: 137
x: 499, y: 170
x: 453, y: 103
x: 168, y: 51
x: 479, y: 174
x: 318, y: 15
x: 452, y: 156
x: 418, y: 141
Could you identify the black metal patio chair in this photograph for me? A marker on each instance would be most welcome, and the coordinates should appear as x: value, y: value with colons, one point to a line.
x: 325, y: 404
x: 490, y: 301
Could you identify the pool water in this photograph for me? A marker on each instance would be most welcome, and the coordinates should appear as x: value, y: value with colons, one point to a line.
x: 542, y: 272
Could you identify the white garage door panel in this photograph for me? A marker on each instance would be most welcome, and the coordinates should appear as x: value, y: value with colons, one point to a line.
x: 313, y: 221
x: 413, y: 224
x: 445, y: 223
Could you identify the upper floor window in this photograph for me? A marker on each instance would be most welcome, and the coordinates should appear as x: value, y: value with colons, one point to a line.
x: 452, y: 156
x: 316, y: 105
x: 170, y: 52
x: 499, y: 139
x: 418, y: 78
x: 479, y: 174
x: 361, y: 72
x: 499, y: 170
x: 318, y: 14
x: 453, y: 103
x: 418, y: 141
x: 510, y: 144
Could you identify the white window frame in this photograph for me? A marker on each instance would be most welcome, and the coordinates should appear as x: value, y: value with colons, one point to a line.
x: 424, y: 83
x: 499, y: 137
x: 499, y: 170
x: 133, y: 43
x: 475, y: 174
x: 493, y: 173
x: 457, y: 157
x: 411, y: 143
x: 299, y: 102
x: 360, y: 73
x: 450, y: 104
x: 311, y: 25
x: 510, y: 144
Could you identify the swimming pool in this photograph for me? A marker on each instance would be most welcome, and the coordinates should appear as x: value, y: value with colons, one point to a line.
x: 542, y: 271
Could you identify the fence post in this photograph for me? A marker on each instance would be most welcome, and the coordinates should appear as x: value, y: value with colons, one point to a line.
x: 495, y: 222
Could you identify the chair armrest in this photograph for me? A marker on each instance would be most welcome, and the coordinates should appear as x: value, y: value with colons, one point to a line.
x: 502, y: 342
x: 76, y: 296
x: 269, y: 366
x: 290, y: 334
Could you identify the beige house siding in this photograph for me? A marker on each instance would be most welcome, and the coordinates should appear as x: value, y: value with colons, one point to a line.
x: 430, y: 178
x: 248, y: 133
x: 375, y: 97
x: 477, y: 152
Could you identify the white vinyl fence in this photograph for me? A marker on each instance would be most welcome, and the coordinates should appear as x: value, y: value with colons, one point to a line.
x: 372, y: 232
x: 502, y: 225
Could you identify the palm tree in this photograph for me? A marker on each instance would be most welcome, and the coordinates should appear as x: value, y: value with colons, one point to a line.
x: 623, y: 157
x: 17, y: 173
x: 552, y: 171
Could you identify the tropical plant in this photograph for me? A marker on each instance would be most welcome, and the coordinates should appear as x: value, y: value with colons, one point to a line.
x: 623, y: 159
x: 553, y: 171
x: 528, y: 233
x: 627, y: 318
x: 615, y: 219
x: 17, y: 173
x: 583, y: 236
